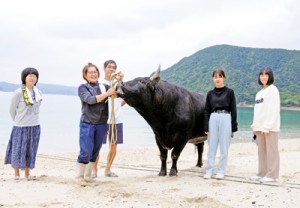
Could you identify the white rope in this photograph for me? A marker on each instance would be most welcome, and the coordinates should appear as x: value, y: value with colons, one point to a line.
x: 112, y: 127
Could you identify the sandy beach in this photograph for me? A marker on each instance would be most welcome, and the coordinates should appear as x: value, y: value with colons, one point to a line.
x: 139, y: 186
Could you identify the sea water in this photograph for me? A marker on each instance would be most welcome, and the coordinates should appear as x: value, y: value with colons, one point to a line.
x: 59, y: 118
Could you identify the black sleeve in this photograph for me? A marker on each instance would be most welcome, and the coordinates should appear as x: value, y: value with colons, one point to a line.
x: 207, y: 112
x: 234, y: 124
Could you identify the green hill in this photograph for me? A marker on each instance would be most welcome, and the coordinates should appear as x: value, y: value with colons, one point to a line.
x: 241, y: 66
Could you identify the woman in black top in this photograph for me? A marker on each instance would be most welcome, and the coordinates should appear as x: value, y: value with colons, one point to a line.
x: 220, y: 122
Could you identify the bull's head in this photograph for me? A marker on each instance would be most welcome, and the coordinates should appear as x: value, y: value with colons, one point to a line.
x: 139, y: 91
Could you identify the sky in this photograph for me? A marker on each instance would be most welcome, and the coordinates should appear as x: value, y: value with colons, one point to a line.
x: 59, y: 37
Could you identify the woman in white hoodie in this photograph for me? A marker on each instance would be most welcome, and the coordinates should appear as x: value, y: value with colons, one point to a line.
x: 266, y: 127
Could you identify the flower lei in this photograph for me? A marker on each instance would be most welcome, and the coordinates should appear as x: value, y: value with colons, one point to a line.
x: 25, y: 95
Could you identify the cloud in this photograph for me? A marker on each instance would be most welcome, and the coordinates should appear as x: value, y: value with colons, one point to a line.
x: 60, y: 37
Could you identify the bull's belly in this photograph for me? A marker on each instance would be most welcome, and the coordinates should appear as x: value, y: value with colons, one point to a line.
x: 197, y: 140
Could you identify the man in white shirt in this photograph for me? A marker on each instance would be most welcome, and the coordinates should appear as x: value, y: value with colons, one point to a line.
x: 115, y: 137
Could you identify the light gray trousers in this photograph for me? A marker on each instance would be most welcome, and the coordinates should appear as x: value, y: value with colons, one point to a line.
x: 219, y: 133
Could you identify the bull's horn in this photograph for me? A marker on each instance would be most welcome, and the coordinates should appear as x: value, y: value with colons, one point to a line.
x: 156, y: 75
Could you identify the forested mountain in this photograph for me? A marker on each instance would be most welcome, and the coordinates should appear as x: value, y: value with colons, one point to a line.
x: 241, y: 66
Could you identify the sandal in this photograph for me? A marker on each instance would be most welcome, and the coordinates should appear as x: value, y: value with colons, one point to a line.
x: 111, y: 174
x: 17, y: 178
x: 94, y: 175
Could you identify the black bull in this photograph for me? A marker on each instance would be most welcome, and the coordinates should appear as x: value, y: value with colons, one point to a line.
x: 175, y: 115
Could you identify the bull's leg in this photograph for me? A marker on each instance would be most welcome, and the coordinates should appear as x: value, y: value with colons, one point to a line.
x: 174, y: 171
x: 163, y: 159
x: 200, y: 147
x: 175, y: 155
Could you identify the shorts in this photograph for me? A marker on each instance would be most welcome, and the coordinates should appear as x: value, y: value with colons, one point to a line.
x: 118, y: 132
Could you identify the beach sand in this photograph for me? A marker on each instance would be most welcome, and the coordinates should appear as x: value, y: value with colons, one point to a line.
x: 138, y: 184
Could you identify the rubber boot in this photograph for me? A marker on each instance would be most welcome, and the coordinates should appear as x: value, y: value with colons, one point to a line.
x: 88, y: 172
x: 80, y: 173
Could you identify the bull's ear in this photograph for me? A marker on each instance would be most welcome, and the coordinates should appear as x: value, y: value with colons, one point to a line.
x: 156, y: 75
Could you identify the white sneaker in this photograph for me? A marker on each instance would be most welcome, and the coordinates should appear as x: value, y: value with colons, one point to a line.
x: 220, y: 176
x: 207, y: 176
x: 255, y: 178
x: 266, y: 180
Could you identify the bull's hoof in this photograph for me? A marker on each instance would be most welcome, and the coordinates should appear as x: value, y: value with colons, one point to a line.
x: 162, y: 173
x: 173, y: 172
x: 199, y: 165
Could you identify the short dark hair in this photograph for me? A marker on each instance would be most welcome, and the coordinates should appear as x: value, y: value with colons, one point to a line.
x: 219, y: 72
x: 26, y: 72
x: 109, y: 62
x: 269, y: 72
x: 85, y: 70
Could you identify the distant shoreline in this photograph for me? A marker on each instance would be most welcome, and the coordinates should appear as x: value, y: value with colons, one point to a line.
x: 293, y: 108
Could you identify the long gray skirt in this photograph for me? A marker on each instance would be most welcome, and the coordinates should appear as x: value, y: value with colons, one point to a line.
x: 22, y: 147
